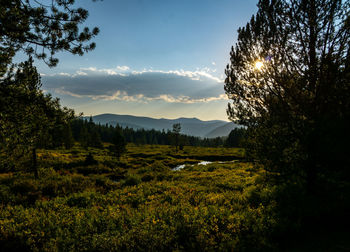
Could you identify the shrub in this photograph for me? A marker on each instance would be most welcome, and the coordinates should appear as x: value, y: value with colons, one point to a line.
x: 131, y: 180
x: 147, y: 177
x: 89, y: 160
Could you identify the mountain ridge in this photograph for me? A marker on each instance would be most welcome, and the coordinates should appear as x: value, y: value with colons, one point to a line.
x: 189, y: 126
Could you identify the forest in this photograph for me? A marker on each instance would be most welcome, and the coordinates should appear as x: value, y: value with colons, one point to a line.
x: 280, y: 182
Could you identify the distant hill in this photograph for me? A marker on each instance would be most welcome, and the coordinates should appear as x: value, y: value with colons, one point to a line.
x: 223, y: 130
x: 189, y: 126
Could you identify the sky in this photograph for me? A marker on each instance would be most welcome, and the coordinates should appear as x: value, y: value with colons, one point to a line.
x: 155, y: 58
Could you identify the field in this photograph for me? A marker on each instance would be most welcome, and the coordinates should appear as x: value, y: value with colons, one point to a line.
x: 138, y: 203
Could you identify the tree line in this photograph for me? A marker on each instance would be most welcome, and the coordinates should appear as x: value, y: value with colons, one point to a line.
x: 90, y: 134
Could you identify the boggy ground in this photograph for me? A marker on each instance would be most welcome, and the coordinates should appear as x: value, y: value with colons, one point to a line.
x: 138, y: 203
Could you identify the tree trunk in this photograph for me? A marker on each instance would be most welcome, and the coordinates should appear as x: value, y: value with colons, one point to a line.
x: 35, y: 164
x: 312, y: 45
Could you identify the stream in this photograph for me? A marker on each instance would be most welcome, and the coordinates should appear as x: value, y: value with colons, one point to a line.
x: 180, y: 167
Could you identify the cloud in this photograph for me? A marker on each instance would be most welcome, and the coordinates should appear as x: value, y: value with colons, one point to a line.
x: 109, y: 71
x: 194, y: 75
x: 123, y: 84
x: 63, y: 74
x: 123, y: 96
x: 81, y: 73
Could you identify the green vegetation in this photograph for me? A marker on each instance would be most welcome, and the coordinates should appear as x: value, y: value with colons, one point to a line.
x: 90, y: 134
x: 289, y: 83
x: 87, y: 199
x: 135, y: 203
x: 36, y: 27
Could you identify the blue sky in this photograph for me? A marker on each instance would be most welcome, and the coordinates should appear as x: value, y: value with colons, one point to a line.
x: 157, y: 58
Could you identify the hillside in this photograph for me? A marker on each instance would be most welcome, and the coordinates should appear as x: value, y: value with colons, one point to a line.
x: 189, y: 126
x: 223, y: 130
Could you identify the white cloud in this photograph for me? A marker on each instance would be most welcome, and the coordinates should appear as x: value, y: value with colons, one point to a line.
x: 123, y: 68
x: 193, y: 75
x: 109, y: 71
x: 81, y: 73
x: 199, y: 74
x: 123, y: 96
x: 124, y: 84
x: 63, y: 74
x: 64, y: 92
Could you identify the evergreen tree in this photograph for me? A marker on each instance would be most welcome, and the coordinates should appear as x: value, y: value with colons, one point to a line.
x: 118, y: 146
x: 176, y: 133
x: 84, y: 137
x: 35, y: 26
x: 27, y: 115
x: 28, y: 118
x: 289, y: 83
x: 95, y: 139
x: 68, y: 139
x: 235, y: 138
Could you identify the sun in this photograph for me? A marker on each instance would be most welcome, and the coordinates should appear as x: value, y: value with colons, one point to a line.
x: 259, y: 65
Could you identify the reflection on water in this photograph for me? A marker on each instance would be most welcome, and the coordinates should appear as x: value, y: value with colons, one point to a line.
x: 180, y: 167
x: 204, y: 162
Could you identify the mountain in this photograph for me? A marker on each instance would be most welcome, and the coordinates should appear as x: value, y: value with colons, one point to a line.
x: 223, y: 130
x: 189, y: 126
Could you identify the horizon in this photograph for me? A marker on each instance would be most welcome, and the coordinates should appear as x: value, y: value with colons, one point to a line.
x: 155, y: 117
x: 153, y: 58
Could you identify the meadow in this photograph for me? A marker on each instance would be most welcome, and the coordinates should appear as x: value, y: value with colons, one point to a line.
x: 139, y: 203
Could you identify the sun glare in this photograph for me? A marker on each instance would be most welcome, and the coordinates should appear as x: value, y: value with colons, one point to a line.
x: 258, y: 65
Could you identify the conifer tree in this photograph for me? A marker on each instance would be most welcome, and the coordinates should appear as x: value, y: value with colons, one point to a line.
x: 37, y: 27
x: 176, y: 133
x: 84, y: 137
x: 288, y: 81
x: 118, y: 146
x: 26, y: 116
x: 68, y: 139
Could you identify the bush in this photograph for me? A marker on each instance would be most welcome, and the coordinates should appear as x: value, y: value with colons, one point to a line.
x: 132, y: 180
x: 79, y: 200
x: 147, y: 177
x: 89, y: 160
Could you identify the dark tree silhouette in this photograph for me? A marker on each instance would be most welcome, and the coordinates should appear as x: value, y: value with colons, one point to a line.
x: 35, y: 27
x: 235, y: 138
x: 176, y: 133
x: 288, y: 80
x: 68, y: 139
x: 118, y: 146
x: 28, y: 118
x: 27, y: 115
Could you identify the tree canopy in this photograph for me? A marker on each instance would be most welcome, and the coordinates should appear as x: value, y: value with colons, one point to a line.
x: 37, y: 27
x: 288, y: 81
x: 29, y: 118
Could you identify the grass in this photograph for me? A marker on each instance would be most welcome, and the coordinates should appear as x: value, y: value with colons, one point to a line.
x: 138, y: 203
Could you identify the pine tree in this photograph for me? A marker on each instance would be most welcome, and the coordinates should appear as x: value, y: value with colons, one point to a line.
x: 289, y: 83
x: 68, y: 139
x: 35, y: 27
x: 176, y: 134
x: 118, y: 146
x: 235, y: 138
x: 95, y: 139
x: 27, y: 115
x: 84, y: 137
